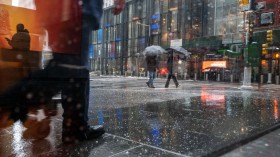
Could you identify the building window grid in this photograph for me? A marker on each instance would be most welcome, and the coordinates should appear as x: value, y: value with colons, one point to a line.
x: 214, y: 21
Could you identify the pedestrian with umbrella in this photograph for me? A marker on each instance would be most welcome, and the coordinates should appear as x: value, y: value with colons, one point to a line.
x: 172, y: 63
x: 172, y: 69
x: 152, y: 66
x: 152, y: 60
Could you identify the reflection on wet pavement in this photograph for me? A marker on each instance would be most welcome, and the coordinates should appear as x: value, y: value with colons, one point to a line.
x: 191, y: 126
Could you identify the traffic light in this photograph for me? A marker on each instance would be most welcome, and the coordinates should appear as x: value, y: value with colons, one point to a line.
x: 264, y: 48
x: 251, y: 26
x: 269, y: 35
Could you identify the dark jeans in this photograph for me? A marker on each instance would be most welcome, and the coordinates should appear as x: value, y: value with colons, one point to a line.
x: 174, y: 79
x: 152, y: 76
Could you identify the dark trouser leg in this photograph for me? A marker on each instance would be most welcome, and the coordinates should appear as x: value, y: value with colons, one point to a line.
x: 175, y: 80
x: 74, y: 103
x: 154, y: 76
x: 168, y: 80
x: 150, y: 78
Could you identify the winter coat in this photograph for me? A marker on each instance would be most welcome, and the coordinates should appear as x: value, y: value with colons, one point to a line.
x: 172, y: 64
x: 152, y: 63
x: 63, y: 20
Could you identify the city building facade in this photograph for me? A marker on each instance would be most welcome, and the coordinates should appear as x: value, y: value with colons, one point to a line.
x: 212, y: 30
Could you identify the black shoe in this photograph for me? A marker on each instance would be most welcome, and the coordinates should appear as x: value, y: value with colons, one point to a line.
x: 71, y: 136
x: 148, y: 84
x: 177, y: 85
x: 93, y: 132
x: 152, y: 86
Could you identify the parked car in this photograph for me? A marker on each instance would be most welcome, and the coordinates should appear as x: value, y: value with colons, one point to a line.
x: 214, y: 71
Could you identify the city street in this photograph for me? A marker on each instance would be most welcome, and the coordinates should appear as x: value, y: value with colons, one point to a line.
x: 198, y: 118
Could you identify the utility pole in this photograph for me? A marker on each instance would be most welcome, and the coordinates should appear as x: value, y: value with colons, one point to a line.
x: 247, y: 12
x: 247, y: 67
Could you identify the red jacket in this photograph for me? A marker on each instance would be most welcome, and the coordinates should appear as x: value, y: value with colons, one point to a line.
x: 63, y: 21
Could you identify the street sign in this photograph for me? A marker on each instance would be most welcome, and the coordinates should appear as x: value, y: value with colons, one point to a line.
x: 176, y: 42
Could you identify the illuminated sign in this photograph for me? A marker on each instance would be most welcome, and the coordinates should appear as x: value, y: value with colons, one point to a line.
x: 99, y: 39
x: 118, y: 39
x: 157, y: 16
x: 176, y: 42
x: 91, y: 51
x: 155, y: 26
x: 220, y: 64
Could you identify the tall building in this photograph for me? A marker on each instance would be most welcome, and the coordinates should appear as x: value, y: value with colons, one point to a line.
x: 205, y: 26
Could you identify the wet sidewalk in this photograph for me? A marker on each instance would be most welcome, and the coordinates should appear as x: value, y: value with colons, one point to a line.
x: 197, y: 119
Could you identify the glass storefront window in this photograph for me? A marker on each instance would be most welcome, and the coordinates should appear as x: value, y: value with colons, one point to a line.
x: 144, y: 8
x: 118, y: 49
x: 135, y: 31
x: 164, y: 6
x: 210, y: 18
x: 129, y: 48
x: 117, y: 19
x: 94, y: 37
x: 130, y: 11
x: 174, y: 21
x: 129, y: 30
x: 99, y: 36
x: 164, y: 27
x: 173, y: 4
x: 156, y: 7
x: 139, y: 9
x: 142, y: 29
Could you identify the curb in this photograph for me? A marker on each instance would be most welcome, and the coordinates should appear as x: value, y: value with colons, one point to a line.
x: 242, y: 142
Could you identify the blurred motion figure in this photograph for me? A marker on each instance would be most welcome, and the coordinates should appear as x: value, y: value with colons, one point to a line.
x: 69, y: 25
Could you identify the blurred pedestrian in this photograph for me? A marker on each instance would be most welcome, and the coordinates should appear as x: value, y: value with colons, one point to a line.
x: 69, y: 25
x: 20, y: 40
x: 152, y: 66
x: 172, y: 68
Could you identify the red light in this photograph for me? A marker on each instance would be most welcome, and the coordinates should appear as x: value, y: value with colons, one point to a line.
x: 163, y: 71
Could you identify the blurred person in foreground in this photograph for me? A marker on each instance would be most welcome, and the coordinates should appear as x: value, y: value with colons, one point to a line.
x: 69, y: 25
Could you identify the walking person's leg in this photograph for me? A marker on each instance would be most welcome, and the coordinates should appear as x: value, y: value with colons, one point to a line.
x: 152, y: 79
x: 76, y: 110
x: 175, y: 80
x: 168, y: 80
